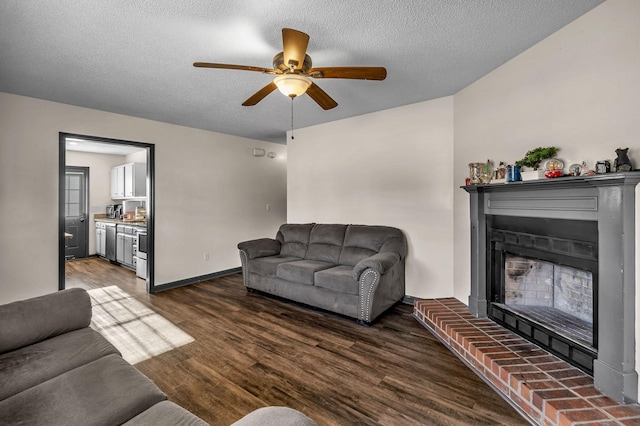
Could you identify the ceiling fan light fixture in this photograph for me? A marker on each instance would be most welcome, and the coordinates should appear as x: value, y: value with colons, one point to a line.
x: 292, y: 85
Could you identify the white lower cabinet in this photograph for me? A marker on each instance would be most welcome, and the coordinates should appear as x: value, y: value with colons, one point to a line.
x: 101, y: 239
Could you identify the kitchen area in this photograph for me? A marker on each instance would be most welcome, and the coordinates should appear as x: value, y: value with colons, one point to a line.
x: 121, y: 236
x: 116, y: 203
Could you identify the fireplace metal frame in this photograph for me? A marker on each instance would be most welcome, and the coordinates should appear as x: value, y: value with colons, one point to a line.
x: 558, y: 241
x: 607, y: 199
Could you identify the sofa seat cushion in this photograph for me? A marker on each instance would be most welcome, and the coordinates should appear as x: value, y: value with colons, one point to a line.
x: 275, y: 416
x: 339, y: 278
x: 166, y: 413
x: 269, y: 265
x: 108, y: 391
x: 28, y: 366
x: 301, y: 271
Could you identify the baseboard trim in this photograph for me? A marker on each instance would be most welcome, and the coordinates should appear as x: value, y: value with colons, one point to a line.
x: 194, y: 280
x: 409, y: 300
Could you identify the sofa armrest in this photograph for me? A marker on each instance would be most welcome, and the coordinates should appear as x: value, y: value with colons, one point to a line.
x: 260, y: 248
x: 33, y: 320
x: 380, y: 262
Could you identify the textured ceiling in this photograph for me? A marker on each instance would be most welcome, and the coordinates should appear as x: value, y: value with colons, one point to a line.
x: 135, y: 57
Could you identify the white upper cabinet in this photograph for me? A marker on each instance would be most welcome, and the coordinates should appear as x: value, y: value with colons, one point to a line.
x: 129, y: 181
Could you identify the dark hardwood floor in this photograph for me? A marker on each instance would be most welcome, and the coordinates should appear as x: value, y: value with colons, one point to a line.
x: 252, y: 351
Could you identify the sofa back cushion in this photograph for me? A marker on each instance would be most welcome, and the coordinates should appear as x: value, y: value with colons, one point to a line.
x: 294, y: 239
x: 325, y: 243
x: 33, y: 320
x: 362, y: 241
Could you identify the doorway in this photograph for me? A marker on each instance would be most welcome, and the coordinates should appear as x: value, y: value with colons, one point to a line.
x: 69, y: 195
x: 76, y: 212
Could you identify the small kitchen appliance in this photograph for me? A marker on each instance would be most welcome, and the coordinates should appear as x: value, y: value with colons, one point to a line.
x: 114, y: 211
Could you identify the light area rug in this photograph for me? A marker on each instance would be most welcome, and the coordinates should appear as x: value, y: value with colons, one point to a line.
x: 136, y: 331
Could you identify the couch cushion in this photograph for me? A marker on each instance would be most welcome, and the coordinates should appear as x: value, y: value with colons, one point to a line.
x: 301, y: 271
x: 275, y: 416
x: 325, y: 243
x: 166, y: 413
x: 294, y: 239
x: 56, y: 313
x: 34, y: 364
x: 108, y: 391
x: 339, y: 278
x: 269, y: 265
x: 362, y: 241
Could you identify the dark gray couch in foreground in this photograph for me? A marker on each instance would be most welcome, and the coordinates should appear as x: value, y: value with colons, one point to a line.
x: 55, y: 370
x: 352, y: 270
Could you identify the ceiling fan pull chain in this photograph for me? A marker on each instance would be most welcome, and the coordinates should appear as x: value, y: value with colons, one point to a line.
x: 292, y: 118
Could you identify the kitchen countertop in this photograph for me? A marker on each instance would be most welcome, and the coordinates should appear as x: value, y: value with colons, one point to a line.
x: 122, y: 221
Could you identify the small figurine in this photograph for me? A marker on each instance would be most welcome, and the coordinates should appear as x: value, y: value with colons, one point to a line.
x: 500, y: 173
x: 622, y: 163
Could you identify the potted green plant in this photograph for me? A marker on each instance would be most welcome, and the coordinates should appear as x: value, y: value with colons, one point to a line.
x: 532, y: 160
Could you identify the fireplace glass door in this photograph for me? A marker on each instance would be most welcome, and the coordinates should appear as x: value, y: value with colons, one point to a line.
x: 542, y: 283
x: 559, y: 296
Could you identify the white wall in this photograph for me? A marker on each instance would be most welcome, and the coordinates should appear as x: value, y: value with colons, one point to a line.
x: 579, y: 89
x: 99, y: 183
x: 386, y: 168
x: 210, y: 192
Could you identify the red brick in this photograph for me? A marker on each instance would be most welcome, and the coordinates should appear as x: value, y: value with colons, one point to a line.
x: 540, y: 396
x: 566, y: 418
x: 541, y: 359
x: 577, y: 381
x: 632, y: 410
x: 553, y: 407
x: 558, y: 365
x: 602, y: 401
x: 565, y: 374
x: 525, y: 392
x: 532, y: 378
x: 517, y: 378
x: 586, y: 391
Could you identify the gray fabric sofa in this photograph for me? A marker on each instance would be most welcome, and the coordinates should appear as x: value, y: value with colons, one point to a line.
x: 55, y: 370
x: 352, y: 270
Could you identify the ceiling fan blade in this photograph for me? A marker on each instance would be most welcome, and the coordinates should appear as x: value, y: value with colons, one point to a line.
x: 294, y: 45
x: 235, y: 67
x: 260, y: 94
x: 320, y: 96
x: 358, y: 73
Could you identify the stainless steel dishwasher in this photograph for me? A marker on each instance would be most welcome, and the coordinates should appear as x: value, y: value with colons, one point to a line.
x: 110, y: 246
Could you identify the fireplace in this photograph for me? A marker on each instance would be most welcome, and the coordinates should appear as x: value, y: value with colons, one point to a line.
x: 543, y: 276
x: 554, y: 260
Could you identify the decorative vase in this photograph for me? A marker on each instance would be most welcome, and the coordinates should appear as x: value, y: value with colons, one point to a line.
x: 475, y: 173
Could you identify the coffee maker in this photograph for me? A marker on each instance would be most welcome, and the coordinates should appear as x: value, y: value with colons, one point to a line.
x: 114, y: 211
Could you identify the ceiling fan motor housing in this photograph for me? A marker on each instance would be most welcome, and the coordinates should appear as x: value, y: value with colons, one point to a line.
x: 278, y: 63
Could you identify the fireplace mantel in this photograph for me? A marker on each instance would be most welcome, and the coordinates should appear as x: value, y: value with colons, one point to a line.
x: 608, y: 199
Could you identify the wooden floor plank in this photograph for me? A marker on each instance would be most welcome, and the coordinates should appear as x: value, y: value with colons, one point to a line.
x: 251, y: 351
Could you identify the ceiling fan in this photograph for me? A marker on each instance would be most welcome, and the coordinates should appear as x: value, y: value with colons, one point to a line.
x: 292, y: 68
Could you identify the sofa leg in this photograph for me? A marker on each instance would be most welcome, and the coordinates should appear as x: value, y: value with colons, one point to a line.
x: 363, y: 323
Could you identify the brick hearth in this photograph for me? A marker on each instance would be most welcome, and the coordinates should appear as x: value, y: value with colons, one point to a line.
x: 544, y: 388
